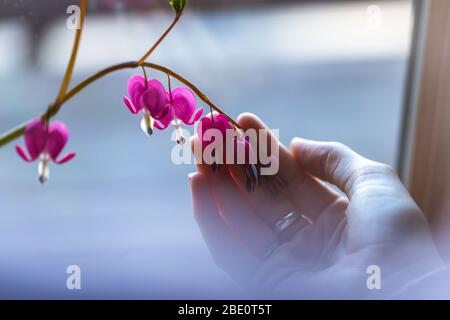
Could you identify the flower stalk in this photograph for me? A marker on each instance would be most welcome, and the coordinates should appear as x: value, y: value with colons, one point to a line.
x: 73, y: 57
x: 161, y: 38
x: 51, y: 112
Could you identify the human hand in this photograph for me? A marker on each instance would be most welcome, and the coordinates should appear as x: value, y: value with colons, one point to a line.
x: 326, y: 253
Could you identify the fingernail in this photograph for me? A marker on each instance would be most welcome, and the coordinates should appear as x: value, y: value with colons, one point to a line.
x: 283, y: 183
x: 191, y: 175
x: 296, y: 140
x: 192, y: 138
x: 248, y: 185
x: 272, y: 189
x: 254, y: 171
x: 215, y: 167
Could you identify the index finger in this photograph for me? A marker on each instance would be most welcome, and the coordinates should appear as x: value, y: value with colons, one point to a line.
x: 306, y: 193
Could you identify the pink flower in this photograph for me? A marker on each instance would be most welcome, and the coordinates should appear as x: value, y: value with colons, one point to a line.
x: 182, y: 104
x: 161, y: 108
x: 220, y: 123
x: 147, y: 98
x: 45, y: 143
x: 150, y: 96
x: 243, y: 151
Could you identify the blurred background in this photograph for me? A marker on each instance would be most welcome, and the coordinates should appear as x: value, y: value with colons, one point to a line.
x: 328, y: 70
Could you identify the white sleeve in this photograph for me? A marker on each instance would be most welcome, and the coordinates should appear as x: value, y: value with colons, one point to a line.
x: 433, y: 285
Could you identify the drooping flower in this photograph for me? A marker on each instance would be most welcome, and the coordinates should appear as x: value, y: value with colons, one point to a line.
x: 241, y: 143
x: 149, y: 99
x: 242, y: 149
x: 161, y: 108
x: 219, y: 122
x: 45, y: 142
x: 182, y: 109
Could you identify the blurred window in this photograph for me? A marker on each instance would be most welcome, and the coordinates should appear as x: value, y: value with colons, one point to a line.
x: 328, y: 70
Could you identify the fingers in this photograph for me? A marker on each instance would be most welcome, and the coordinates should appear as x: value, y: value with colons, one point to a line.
x: 268, y: 203
x: 236, y: 211
x: 307, y: 195
x: 339, y: 165
x: 227, y: 252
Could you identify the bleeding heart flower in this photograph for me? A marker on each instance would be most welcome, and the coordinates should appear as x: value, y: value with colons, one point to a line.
x: 243, y: 151
x: 220, y: 122
x: 149, y: 99
x: 182, y: 104
x: 161, y: 108
x: 46, y: 143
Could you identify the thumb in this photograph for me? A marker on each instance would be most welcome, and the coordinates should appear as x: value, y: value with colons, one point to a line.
x: 339, y: 165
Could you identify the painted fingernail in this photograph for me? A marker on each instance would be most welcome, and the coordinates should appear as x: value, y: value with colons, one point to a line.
x: 191, y: 175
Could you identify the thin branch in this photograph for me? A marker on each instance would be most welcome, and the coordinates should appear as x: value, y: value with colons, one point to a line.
x: 73, y: 57
x: 157, y: 43
x: 79, y: 87
x: 18, y: 131
x: 197, y: 91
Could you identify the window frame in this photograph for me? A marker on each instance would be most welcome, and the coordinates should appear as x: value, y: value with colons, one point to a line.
x: 424, y: 151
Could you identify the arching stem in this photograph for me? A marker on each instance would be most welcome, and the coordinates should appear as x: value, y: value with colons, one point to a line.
x: 51, y: 111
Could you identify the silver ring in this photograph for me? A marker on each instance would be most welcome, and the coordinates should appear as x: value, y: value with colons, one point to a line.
x: 285, y: 222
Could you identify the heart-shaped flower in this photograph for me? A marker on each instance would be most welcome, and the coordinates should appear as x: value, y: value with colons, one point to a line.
x: 242, y: 149
x: 182, y: 109
x: 219, y: 122
x: 160, y: 108
x: 45, y: 142
x: 149, y: 99
x: 183, y: 103
x: 136, y: 87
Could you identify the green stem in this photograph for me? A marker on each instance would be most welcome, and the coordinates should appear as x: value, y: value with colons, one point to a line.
x: 12, y: 135
x: 82, y: 85
x: 197, y: 91
x: 73, y: 57
x: 157, y: 43
x: 19, y: 131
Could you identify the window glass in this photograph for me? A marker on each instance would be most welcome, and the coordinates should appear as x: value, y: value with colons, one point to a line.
x: 122, y: 210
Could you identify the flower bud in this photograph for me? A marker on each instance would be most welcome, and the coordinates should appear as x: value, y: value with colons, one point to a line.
x: 178, y: 5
